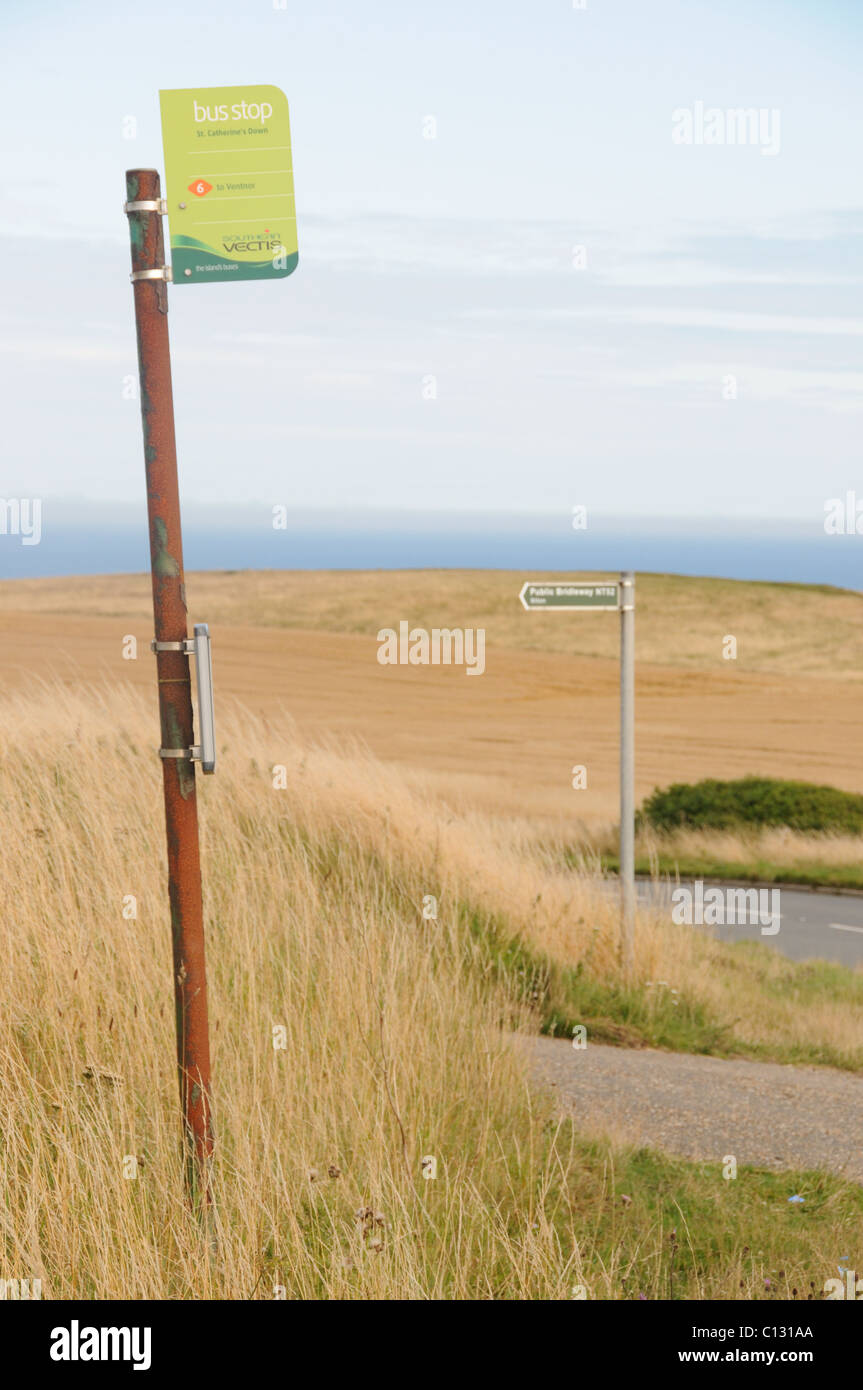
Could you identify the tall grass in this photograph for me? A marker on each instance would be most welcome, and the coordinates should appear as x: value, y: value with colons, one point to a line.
x: 396, y: 1032
x: 756, y: 854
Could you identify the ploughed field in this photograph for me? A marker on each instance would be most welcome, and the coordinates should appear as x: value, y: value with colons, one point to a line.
x: 305, y: 645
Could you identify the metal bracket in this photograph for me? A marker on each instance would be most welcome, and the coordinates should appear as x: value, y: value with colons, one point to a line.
x: 199, y: 647
x: 188, y: 754
x: 187, y: 646
x: 164, y: 272
x: 159, y: 205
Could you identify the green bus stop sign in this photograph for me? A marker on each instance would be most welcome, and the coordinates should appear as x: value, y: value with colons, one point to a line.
x: 229, y: 183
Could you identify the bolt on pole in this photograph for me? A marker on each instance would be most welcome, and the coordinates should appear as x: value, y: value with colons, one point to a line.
x: 627, y: 770
x: 145, y: 209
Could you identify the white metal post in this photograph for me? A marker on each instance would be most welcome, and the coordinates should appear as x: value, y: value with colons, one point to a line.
x: 627, y: 769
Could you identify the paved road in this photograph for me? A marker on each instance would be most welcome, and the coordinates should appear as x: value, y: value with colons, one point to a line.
x: 763, y: 1113
x: 826, y: 925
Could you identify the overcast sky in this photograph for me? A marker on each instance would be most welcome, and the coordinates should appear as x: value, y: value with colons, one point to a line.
x: 453, y: 257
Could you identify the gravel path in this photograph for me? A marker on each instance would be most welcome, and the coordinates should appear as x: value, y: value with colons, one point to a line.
x: 763, y: 1113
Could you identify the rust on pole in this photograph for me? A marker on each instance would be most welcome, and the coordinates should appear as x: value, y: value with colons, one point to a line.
x: 144, y: 209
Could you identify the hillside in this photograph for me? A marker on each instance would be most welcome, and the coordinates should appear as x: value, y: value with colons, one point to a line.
x: 784, y: 629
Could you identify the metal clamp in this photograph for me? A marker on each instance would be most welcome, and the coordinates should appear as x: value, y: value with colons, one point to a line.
x: 199, y: 647
x: 187, y: 646
x: 164, y: 272
x: 159, y: 205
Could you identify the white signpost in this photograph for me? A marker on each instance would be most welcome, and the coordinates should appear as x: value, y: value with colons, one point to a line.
x: 564, y: 597
x: 553, y: 596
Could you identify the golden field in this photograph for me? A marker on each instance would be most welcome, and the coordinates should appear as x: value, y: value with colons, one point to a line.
x: 304, y: 645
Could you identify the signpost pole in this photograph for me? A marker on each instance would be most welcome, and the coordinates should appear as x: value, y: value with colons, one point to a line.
x: 145, y: 209
x: 627, y: 769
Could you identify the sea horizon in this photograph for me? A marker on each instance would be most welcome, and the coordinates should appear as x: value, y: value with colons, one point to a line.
x: 771, y: 553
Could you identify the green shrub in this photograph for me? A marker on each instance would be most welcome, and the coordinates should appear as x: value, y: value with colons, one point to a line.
x: 753, y: 801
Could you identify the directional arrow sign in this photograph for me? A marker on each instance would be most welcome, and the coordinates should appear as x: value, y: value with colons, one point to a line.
x: 554, y: 597
x: 537, y: 594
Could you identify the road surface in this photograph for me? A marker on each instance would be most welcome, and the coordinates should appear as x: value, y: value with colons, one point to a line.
x: 826, y: 925
x: 763, y: 1113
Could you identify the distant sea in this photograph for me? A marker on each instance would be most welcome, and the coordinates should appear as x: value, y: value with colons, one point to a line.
x: 692, y: 547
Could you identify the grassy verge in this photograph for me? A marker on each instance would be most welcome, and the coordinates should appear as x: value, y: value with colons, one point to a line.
x: 749, y: 854
x: 709, y: 866
x: 711, y: 1238
x: 355, y: 1036
x: 656, y: 1013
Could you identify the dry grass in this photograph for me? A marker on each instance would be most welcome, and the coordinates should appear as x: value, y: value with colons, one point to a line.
x: 766, y: 854
x: 744, y: 843
x: 381, y: 1021
x: 396, y: 1036
x: 760, y: 842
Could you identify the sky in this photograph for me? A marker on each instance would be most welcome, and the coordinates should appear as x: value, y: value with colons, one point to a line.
x: 611, y: 318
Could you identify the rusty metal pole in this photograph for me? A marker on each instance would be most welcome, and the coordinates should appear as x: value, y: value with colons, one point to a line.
x: 175, y: 691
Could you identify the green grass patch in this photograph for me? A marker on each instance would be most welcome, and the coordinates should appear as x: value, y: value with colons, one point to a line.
x: 655, y: 1014
x: 686, y: 1232
x: 564, y: 996
x: 707, y: 866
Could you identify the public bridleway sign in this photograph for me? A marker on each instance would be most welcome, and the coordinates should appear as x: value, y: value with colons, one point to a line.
x: 553, y: 596
x: 563, y: 596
